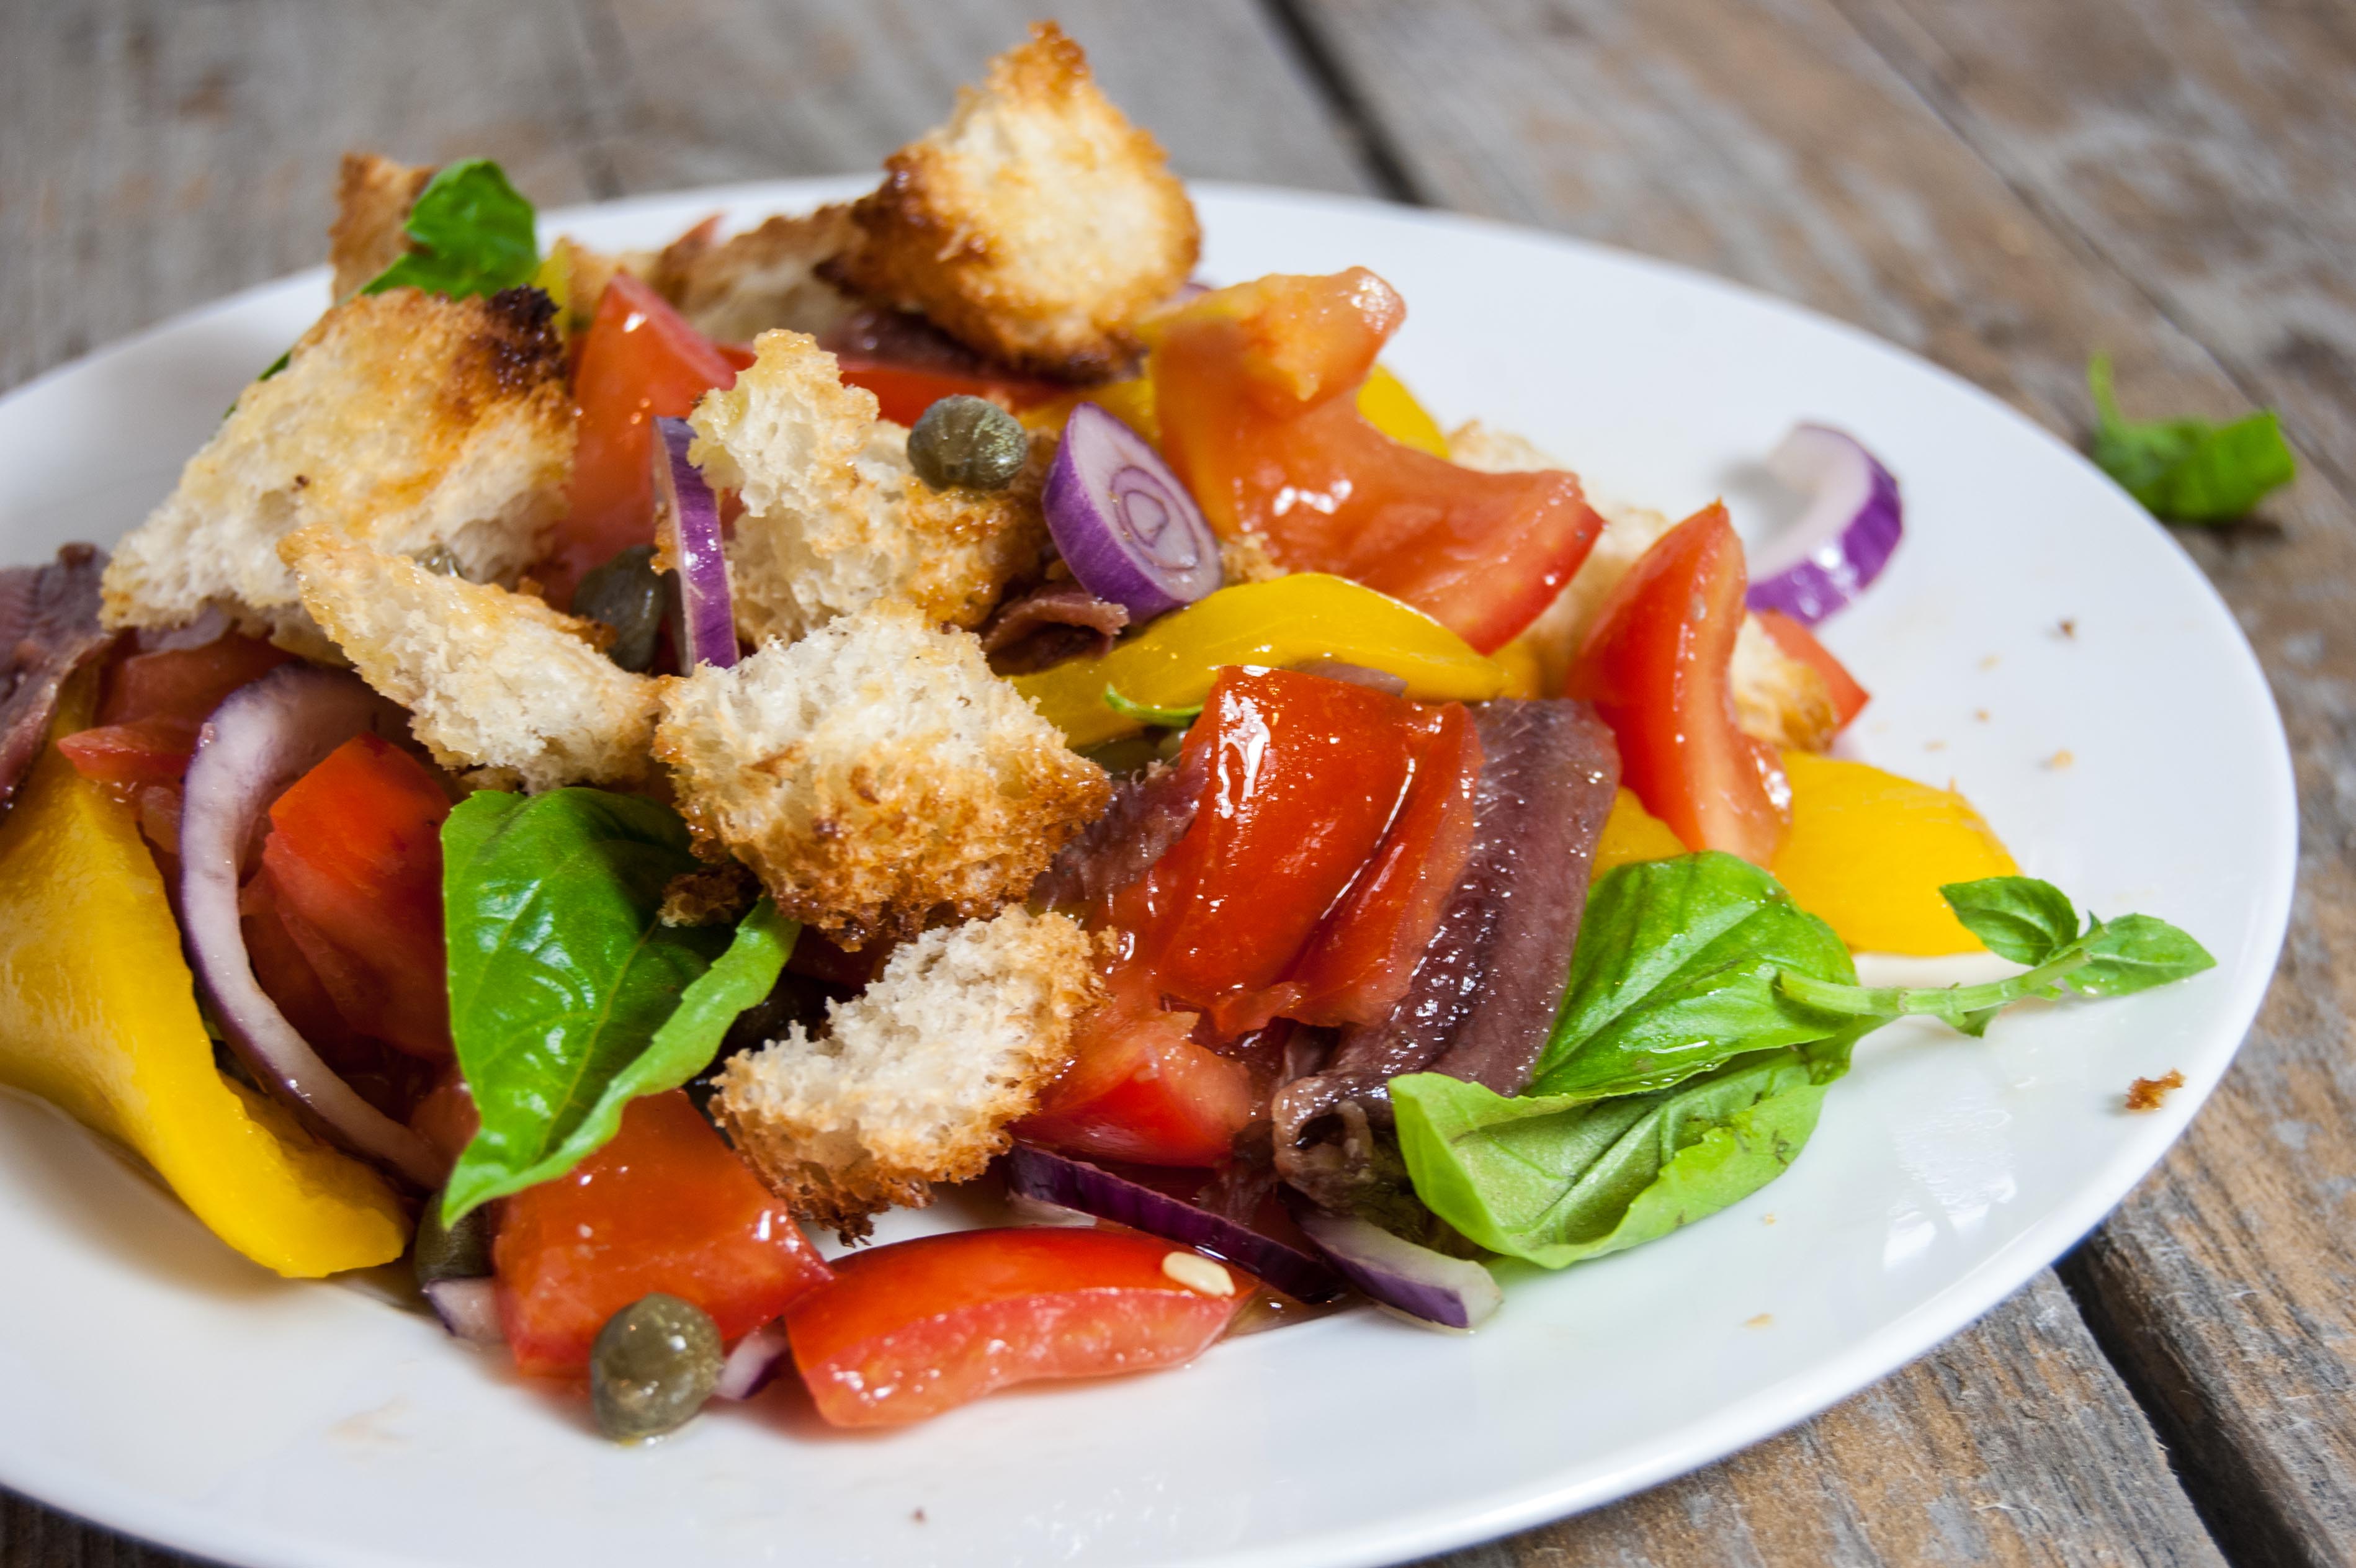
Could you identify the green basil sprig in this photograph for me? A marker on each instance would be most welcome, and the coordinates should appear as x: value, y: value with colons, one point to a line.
x: 568, y: 996
x: 2189, y: 470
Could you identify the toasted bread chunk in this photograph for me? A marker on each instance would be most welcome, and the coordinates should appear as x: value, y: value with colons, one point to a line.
x: 492, y: 679
x: 373, y: 196
x: 914, y: 1080
x: 834, y: 519
x: 404, y: 420
x: 735, y: 289
x: 1777, y: 699
x: 1036, y: 226
x: 874, y: 774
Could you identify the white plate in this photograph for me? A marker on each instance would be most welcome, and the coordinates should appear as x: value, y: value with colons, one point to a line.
x: 162, y: 1386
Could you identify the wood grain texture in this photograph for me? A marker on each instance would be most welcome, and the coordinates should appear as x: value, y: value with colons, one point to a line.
x: 2012, y: 1444
x: 1814, y: 151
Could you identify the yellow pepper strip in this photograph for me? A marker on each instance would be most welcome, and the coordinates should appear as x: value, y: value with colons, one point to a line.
x: 1289, y: 620
x: 98, y: 1015
x: 1868, y: 851
x: 1383, y: 399
x: 1632, y: 833
x: 1525, y: 676
x: 1385, y: 402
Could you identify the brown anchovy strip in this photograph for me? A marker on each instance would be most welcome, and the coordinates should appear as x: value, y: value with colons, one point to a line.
x: 49, y: 628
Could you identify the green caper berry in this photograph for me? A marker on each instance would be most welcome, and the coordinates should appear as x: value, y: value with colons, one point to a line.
x: 626, y: 595
x: 967, y: 440
x: 460, y: 1252
x: 439, y: 560
x: 654, y: 1364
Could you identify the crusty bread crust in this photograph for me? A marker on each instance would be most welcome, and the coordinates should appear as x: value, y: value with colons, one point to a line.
x: 735, y: 289
x: 915, y: 1079
x: 875, y: 775
x: 1036, y: 226
x: 493, y: 681
x: 834, y: 519
x: 373, y: 196
x: 402, y: 420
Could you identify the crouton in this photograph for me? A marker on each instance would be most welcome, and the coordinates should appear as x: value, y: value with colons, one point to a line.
x: 373, y: 196
x: 834, y: 519
x: 735, y: 289
x: 493, y: 680
x: 1036, y: 226
x: 404, y: 420
x: 1777, y: 699
x: 874, y: 774
x: 914, y: 1080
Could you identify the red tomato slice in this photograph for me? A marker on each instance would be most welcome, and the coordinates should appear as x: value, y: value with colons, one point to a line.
x: 667, y: 1206
x: 1255, y: 388
x: 905, y: 392
x: 1798, y: 642
x: 186, y: 683
x: 355, y: 858
x: 1656, y: 666
x: 1139, y: 1090
x: 127, y: 756
x: 917, y: 1327
x: 639, y: 361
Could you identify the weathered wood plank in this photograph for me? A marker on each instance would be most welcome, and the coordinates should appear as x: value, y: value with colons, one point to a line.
x: 2012, y: 1444
x: 33, y: 1537
x: 1772, y: 143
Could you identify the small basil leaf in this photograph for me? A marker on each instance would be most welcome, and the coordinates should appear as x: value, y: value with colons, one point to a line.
x: 2135, y: 952
x: 560, y: 971
x: 2018, y: 918
x: 1556, y: 1180
x: 1676, y: 973
x: 2189, y: 470
x: 472, y: 234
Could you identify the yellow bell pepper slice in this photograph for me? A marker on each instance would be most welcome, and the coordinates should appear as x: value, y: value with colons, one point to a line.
x: 1385, y: 402
x: 1289, y: 620
x: 1525, y: 676
x: 98, y: 1015
x: 1868, y: 851
x: 1632, y: 833
x: 1382, y: 399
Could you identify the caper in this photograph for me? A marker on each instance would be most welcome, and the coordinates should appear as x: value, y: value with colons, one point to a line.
x: 439, y: 559
x: 626, y: 595
x: 460, y: 1252
x: 968, y: 441
x: 654, y: 1364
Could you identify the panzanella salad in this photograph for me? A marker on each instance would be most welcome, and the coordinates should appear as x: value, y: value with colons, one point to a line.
x: 608, y: 766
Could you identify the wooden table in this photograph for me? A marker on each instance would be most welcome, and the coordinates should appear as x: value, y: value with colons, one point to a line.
x: 2004, y: 185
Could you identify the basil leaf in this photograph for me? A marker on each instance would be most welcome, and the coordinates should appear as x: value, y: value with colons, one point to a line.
x: 1558, y: 1179
x: 2135, y: 952
x: 1676, y: 973
x: 472, y: 233
x: 2018, y: 918
x: 561, y: 971
x: 2189, y: 470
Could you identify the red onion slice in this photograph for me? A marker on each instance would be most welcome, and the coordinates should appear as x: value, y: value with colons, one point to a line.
x: 1430, y: 1287
x: 686, y: 522
x: 1843, y: 539
x: 469, y: 1309
x: 1123, y: 522
x: 756, y: 1361
x: 1049, y: 1177
x: 263, y: 737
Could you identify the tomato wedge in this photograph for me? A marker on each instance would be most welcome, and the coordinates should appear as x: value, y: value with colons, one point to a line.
x: 1798, y: 642
x: 905, y: 392
x: 128, y: 755
x: 1655, y: 664
x: 1255, y: 387
x: 1138, y: 1089
x: 667, y: 1206
x: 639, y: 361
x: 155, y: 704
x: 918, y: 1327
x: 354, y: 856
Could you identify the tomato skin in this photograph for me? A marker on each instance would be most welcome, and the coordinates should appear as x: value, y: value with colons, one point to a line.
x: 354, y: 856
x: 911, y: 1329
x: 905, y: 392
x: 186, y: 683
x: 1655, y: 664
x: 129, y: 755
x: 1798, y: 642
x: 1254, y: 388
x: 639, y: 361
x: 667, y: 1206
x: 1139, y: 1090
